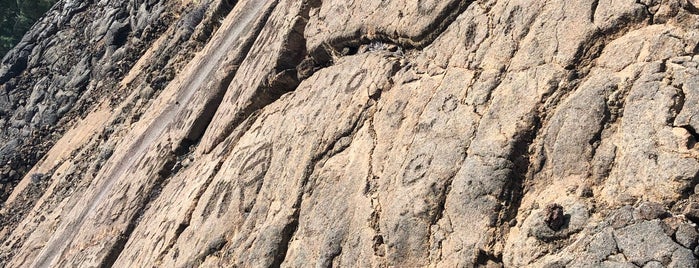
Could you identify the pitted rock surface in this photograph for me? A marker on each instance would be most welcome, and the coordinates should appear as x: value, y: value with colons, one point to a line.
x: 352, y: 133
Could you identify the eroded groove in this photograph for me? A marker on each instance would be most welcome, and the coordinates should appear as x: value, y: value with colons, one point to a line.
x: 194, y: 135
x: 371, y: 190
x: 440, y: 24
x: 433, y: 30
x: 594, y: 5
x: 590, y: 50
x: 167, y: 170
x: 513, y: 190
x: 203, y: 121
x: 284, y: 77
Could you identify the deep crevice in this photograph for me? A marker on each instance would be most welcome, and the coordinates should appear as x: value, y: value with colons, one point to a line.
x: 594, y: 5
x: 343, y: 46
x: 439, y: 24
x: 693, y: 133
x: 596, y: 139
x: 286, y: 235
x: 651, y: 19
x: 512, y: 191
x: 441, y: 202
x: 292, y: 66
x: 484, y: 258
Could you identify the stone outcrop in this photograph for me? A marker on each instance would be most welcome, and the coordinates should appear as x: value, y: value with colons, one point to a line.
x: 353, y: 133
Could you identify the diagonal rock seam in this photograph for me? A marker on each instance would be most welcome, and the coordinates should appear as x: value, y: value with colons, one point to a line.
x: 138, y: 145
x: 190, y: 22
x: 525, y: 157
x: 187, y: 146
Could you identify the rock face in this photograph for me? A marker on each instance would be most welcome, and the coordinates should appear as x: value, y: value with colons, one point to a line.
x: 353, y: 133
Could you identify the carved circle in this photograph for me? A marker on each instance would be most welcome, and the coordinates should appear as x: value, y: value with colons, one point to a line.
x: 221, y: 188
x: 252, y: 171
x: 355, y: 81
x: 416, y: 169
x: 255, y: 166
x: 450, y: 104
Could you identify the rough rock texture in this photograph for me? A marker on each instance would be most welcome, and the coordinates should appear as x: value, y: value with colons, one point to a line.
x: 353, y: 133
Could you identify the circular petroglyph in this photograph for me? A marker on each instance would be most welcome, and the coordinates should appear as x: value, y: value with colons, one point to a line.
x: 252, y: 172
x: 256, y: 164
x: 416, y: 169
x: 450, y: 103
x: 356, y: 81
x: 221, y: 192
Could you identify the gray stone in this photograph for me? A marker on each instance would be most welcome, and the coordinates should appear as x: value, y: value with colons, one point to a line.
x: 645, y: 241
x: 651, y: 210
x: 683, y: 258
x: 691, y: 211
x: 603, y: 244
x: 653, y: 264
x: 686, y: 235
x: 615, y: 264
x: 622, y: 217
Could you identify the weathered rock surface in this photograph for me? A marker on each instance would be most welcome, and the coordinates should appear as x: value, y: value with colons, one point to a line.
x: 353, y: 133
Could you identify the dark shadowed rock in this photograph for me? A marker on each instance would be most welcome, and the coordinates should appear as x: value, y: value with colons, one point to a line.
x: 687, y: 235
x: 554, y: 216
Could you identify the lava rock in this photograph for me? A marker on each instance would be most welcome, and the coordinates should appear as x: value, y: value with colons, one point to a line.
x: 691, y: 211
x: 686, y: 235
x: 645, y: 241
x: 651, y: 210
x: 554, y: 216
